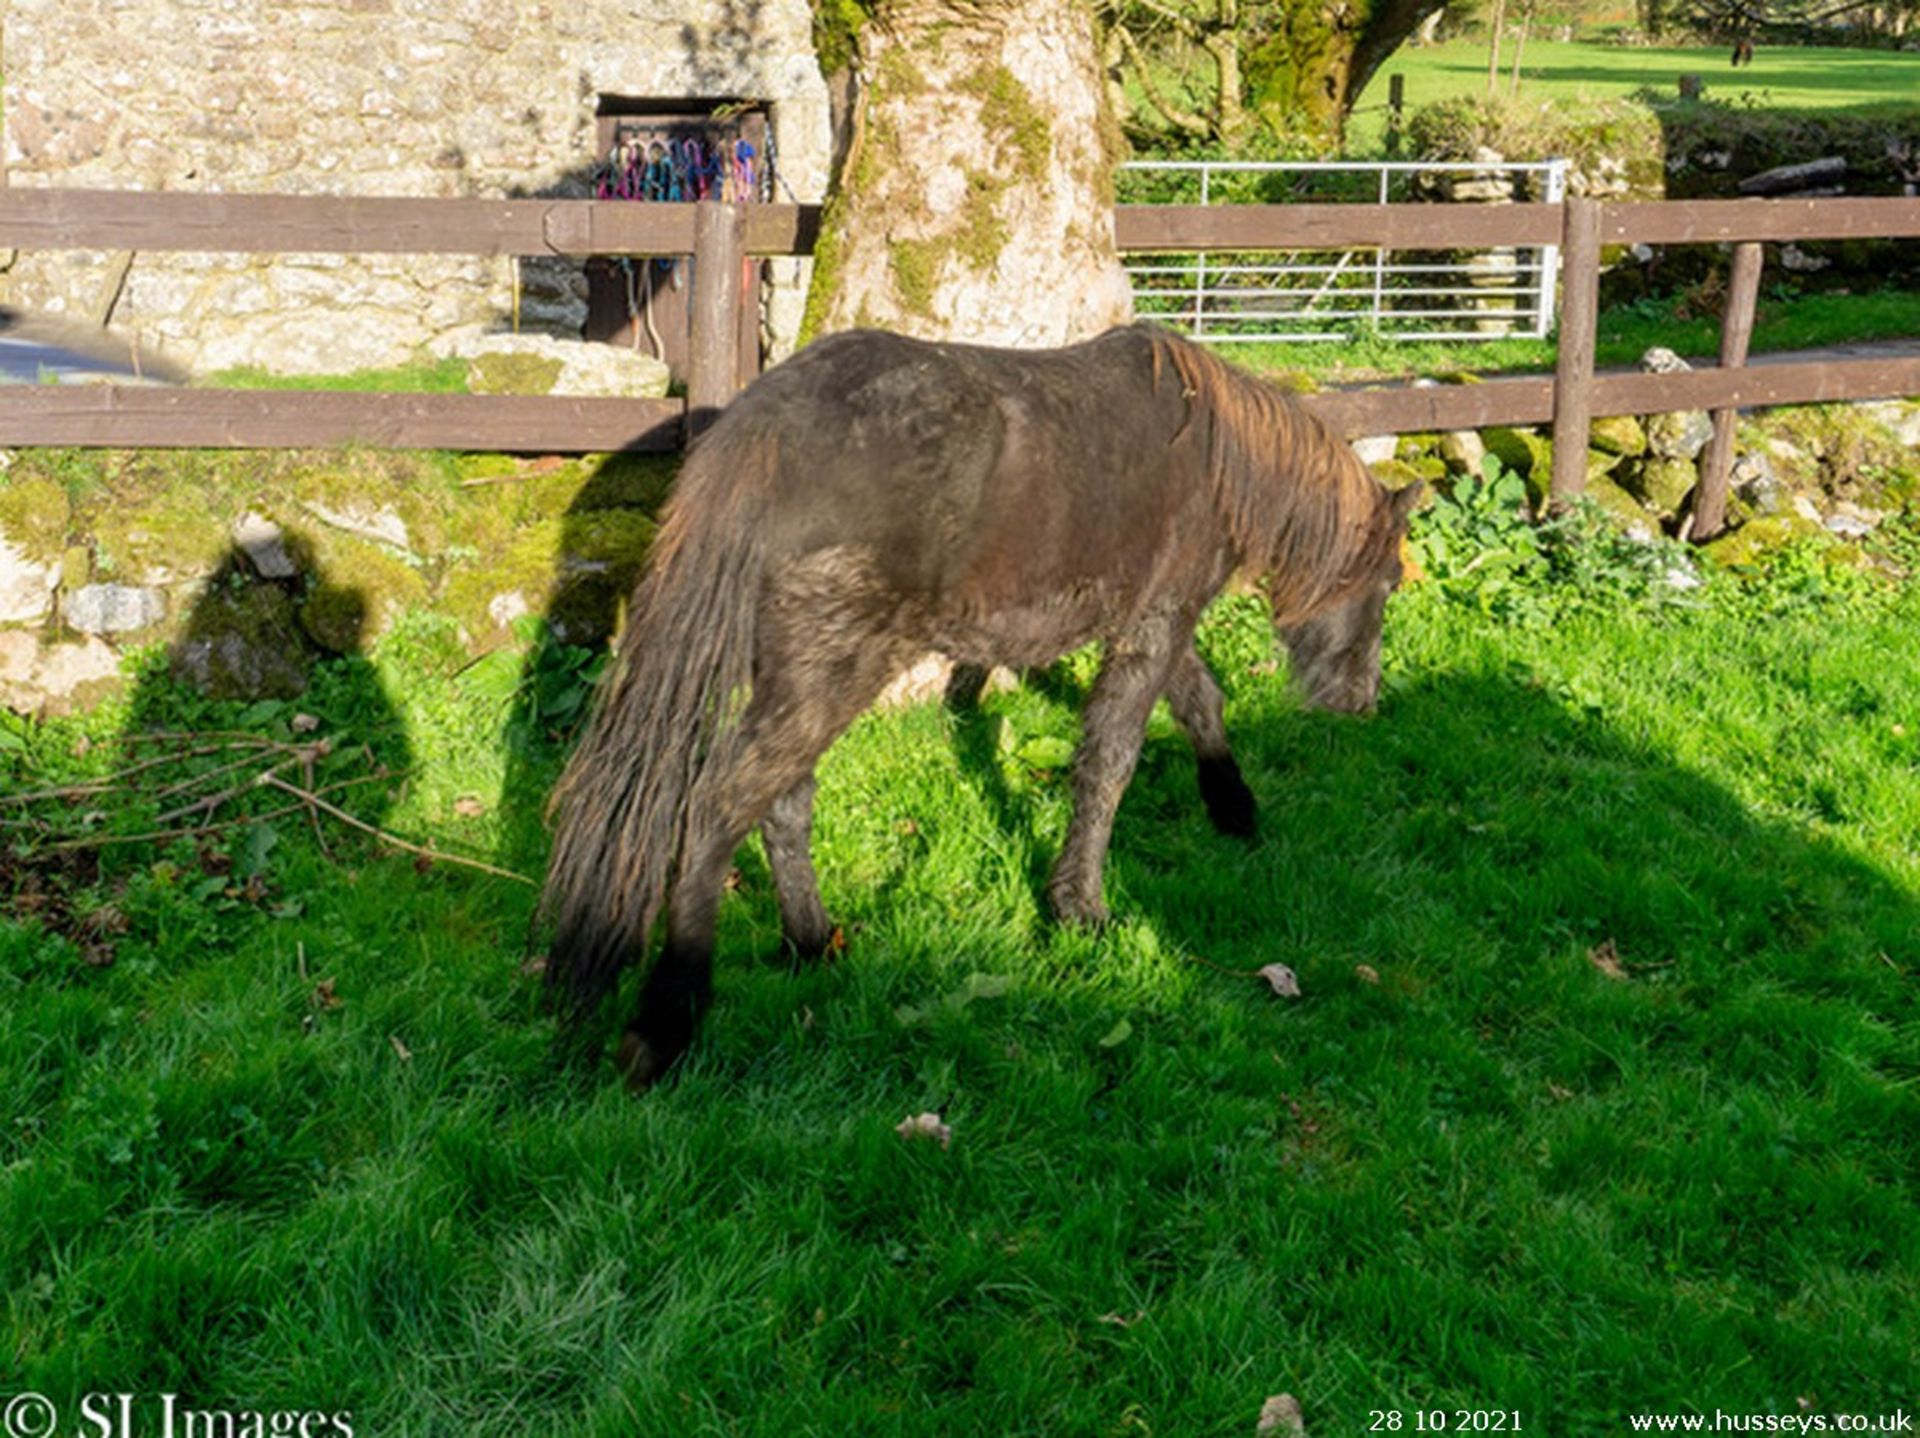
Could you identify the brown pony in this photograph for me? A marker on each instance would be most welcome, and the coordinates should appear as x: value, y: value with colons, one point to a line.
x: 876, y: 497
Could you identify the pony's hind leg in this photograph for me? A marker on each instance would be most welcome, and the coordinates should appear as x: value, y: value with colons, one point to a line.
x: 965, y: 684
x: 679, y: 988
x: 1131, y: 677
x: 788, y: 832
x: 1194, y: 696
x: 800, y: 705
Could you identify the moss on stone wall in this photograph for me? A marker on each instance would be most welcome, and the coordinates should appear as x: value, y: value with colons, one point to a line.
x: 34, y: 513
x: 512, y: 374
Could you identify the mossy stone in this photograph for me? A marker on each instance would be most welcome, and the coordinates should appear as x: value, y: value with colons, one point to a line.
x: 512, y: 374
x: 1620, y: 506
x: 602, y: 558
x: 180, y: 534
x: 362, y: 485
x: 526, y: 564
x: 1395, y: 473
x: 34, y: 515
x: 385, y: 586
x: 1661, y: 484
x: 243, y: 643
x: 1618, y: 434
x: 1758, y: 540
x: 1527, y: 454
x: 486, y: 466
x: 335, y: 618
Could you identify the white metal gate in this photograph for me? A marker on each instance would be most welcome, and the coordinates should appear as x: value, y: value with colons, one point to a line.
x: 1333, y: 295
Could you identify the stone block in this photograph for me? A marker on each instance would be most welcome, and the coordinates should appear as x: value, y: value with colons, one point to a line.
x: 113, y: 608
x: 26, y: 586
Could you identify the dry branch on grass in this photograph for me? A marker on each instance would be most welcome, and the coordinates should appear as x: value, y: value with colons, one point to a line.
x: 65, y: 818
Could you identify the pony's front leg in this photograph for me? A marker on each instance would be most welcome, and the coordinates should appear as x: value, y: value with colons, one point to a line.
x: 1131, y: 677
x: 788, y: 832
x: 1194, y: 696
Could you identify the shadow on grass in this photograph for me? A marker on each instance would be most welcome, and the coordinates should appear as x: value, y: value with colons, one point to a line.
x: 1482, y: 815
x: 602, y: 547
x: 272, y: 630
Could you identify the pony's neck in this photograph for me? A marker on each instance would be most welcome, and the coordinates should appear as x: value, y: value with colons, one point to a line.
x: 1299, y: 507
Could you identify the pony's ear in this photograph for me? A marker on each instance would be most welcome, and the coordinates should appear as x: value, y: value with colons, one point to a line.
x: 1405, y: 501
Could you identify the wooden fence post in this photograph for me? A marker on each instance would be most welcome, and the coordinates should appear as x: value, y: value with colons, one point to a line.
x: 1573, y: 369
x: 1743, y: 294
x: 713, y: 363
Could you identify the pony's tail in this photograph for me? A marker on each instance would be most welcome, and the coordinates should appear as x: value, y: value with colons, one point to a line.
x: 661, y: 721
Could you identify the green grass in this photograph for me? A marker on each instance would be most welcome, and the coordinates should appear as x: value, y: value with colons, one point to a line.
x: 1812, y: 78
x: 1686, y: 323
x: 1496, y: 1177
x: 441, y: 376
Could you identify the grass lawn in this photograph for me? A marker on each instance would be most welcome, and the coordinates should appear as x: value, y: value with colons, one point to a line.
x: 1683, y: 323
x: 1473, y: 1167
x: 1780, y: 78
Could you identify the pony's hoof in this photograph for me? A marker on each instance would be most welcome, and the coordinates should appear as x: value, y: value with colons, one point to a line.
x: 1080, y: 912
x: 804, y: 951
x: 1229, y: 801
x: 641, y: 1062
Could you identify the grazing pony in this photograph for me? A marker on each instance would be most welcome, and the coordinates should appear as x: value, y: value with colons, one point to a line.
x: 876, y: 497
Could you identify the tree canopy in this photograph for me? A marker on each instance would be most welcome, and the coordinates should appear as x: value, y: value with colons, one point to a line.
x: 1226, y: 72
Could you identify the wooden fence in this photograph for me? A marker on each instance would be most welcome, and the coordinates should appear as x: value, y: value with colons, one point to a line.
x: 717, y: 235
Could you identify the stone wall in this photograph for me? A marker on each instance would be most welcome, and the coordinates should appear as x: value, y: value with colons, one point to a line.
x: 423, y: 98
x: 248, y: 566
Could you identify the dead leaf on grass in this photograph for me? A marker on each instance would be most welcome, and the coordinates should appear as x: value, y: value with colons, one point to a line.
x: 404, y: 1053
x: 1285, y: 982
x: 324, y: 996
x: 305, y: 723
x: 468, y: 806
x: 925, y: 1125
x: 1119, y: 1321
x: 1606, y: 958
x: 1280, y: 1417
x: 1367, y: 974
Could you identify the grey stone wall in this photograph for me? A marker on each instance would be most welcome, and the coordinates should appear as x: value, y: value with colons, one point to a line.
x: 369, y: 97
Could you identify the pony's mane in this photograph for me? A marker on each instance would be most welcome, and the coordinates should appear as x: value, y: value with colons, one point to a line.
x: 1299, y: 506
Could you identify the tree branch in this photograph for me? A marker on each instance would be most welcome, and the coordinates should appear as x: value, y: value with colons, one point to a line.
x: 1184, y: 120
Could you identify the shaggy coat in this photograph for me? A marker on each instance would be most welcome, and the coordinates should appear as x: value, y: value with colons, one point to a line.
x: 877, y: 497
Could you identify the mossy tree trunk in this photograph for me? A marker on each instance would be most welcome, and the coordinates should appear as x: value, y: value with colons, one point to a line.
x: 1294, y: 66
x: 974, y: 200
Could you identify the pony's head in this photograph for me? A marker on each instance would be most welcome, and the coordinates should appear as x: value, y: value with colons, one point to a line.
x: 1336, y: 649
x: 1305, y: 516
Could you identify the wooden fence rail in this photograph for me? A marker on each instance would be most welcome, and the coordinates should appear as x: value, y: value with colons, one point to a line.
x: 130, y: 416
